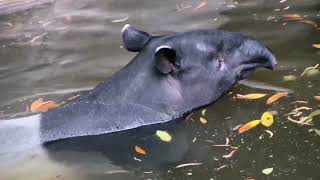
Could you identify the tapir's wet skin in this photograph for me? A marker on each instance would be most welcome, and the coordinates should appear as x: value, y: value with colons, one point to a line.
x: 60, y: 55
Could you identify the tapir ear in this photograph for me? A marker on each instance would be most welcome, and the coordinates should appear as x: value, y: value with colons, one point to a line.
x: 134, y: 40
x: 166, y: 59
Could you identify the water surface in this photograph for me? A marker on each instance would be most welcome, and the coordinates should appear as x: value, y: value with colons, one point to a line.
x: 64, y: 48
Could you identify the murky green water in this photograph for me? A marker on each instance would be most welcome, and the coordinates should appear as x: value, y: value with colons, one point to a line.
x: 69, y: 46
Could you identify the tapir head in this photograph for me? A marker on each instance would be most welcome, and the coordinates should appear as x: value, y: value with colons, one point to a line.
x: 193, y: 69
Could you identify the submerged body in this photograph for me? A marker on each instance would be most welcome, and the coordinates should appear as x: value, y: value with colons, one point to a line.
x: 169, y: 78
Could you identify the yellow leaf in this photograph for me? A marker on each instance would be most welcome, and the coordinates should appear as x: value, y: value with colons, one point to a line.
x: 248, y: 126
x: 276, y: 97
x: 139, y: 150
x: 316, y: 46
x: 164, y: 135
x: 267, y: 119
x: 203, y: 120
x: 251, y: 96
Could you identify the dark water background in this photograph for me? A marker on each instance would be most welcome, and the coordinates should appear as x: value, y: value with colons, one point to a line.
x: 60, y: 49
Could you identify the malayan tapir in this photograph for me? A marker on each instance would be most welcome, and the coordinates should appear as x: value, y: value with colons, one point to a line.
x: 171, y: 76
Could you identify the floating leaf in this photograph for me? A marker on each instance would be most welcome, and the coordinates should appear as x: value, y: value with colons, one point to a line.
x: 227, y: 156
x: 311, y: 23
x: 317, y: 98
x: 292, y: 17
x: 248, y: 126
x: 40, y: 106
x: 203, y: 120
x: 164, y: 135
x: 267, y: 171
x: 316, y: 46
x: 270, y: 133
x: 120, y: 20
x: 202, y: 4
x: 34, y: 105
x: 203, y: 112
x: 313, y: 70
x: 276, y: 97
x: 251, y: 96
x: 317, y: 131
x: 267, y: 119
x: 139, y: 150
x: 290, y: 78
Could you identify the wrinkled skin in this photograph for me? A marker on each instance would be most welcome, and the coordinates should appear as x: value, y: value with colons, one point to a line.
x: 169, y: 78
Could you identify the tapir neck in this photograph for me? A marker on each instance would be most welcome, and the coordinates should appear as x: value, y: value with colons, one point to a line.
x: 133, y: 97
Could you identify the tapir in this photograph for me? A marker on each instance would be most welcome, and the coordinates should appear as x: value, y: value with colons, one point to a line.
x: 170, y: 77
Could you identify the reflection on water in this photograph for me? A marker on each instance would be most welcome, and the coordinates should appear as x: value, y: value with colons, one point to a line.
x: 70, y: 46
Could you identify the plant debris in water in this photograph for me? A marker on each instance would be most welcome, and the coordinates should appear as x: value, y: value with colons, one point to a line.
x: 250, y: 96
x: 276, y: 97
x: 164, y: 136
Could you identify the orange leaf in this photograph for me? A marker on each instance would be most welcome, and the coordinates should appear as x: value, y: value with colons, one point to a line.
x: 45, y: 106
x: 292, y: 17
x: 276, y: 97
x: 250, y: 96
x: 316, y: 46
x: 40, y: 106
x: 317, y: 98
x: 248, y: 126
x: 139, y: 150
x: 34, y: 105
x: 202, y: 5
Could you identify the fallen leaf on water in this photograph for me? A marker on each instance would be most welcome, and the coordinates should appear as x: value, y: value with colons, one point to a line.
x: 120, y: 20
x: 40, y: 106
x: 290, y: 78
x: 310, y: 22
x: 203, y: 120
x: 34, y: 105
x: 219, y: 168
x: 227, y: 156
x: 316, y: 46
x: 292, y: 17
x: 202, y: 4
x: 73, y: 97
x: 248, y: 126
x: 267, y: 119
x: 317, y: 98
x: 250, y: 96
x: 317, y: 131
x: 276, y: 97
x: 203, y: 112
x: 267, y: 171
x: 309, y: 118
x: 311, y: 71
x: 139, y: 150
x: 188, y: 164
x: 164, y: 135
x: 270, y: 133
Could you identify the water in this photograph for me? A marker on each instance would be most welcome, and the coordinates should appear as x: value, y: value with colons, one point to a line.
x: 63, y: 48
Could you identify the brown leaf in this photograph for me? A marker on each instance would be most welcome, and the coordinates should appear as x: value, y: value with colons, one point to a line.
x: 310, y: 22
x: 276, y: 97
x: 73, y: 97
x: 202, y: 5
x: 250, y: 96
x: 40, y: 106
x: 292, y: 17
x: 317, y: 98
x: 316, y: 46
x: 34, y: 105
x: 139, y: 150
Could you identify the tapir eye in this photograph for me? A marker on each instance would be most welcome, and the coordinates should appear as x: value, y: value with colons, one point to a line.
x: 220, y: 63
